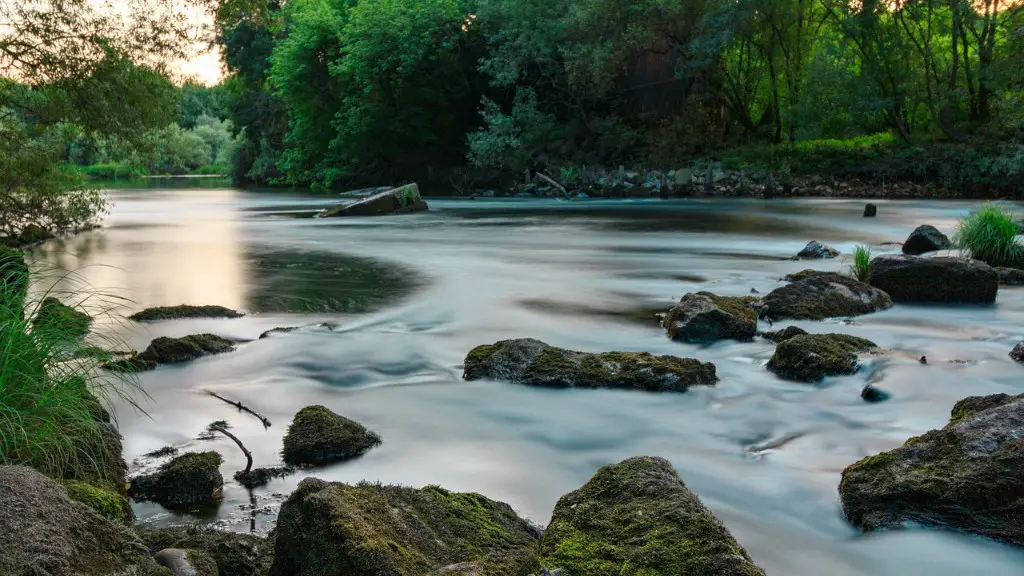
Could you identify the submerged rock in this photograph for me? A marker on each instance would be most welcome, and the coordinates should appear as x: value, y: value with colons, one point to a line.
x: 319, y: 436
x: 967, y: 476
x: 534, y: 363
x: 186, y: 562
x: 784, y: 334
x: 184, y: 311
x: 812, y: 357
x: 1018, y: 352
x: 705, y: 317
x: 376, y: 530
x: 873, y: 394
x: 817, y: 250
x: 191, y: 480
x: 870, y: 210
x: 637, y: 517
x: 1010, y: 276
x: 166, y: 350
x: 234, y: 554
x: 258, y: 477
x: 399, y: 200
x: 43, y: 531
x: 56, y: 318
x: 926, y: 238
x: 825, y: 295
x: 940, y: 279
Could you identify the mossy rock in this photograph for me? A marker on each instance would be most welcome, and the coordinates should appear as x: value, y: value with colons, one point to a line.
x: 967, y: 476
x: 706, y: 317
x: 189, y: 481
x: 184, y: 311
x: 638, y: 518
x: 825, y: 295
x: 44, y: 531
x: 534, y: 363
x: 816, y: 250
x: 259, y: 477
x: 375, y: 530
x: 926, y: 238
x: 401, y: 200
x: 187, y: 562
x: 235, y: 554
x: 166, y: 350
x: 784, y: 334
x: 812, y: 357
x: 110, y: 505
x: 940, y: 279
x: 53, y: 317
x: 803, y: 275
x: 319, y: 436
x: 1010, y: 276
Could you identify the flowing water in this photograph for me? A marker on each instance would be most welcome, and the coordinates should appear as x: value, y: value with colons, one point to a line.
x: 404, y: 298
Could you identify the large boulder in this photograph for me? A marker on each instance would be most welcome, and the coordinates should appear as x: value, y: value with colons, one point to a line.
x: 164, y: 350
x: 235, y: 554
x: 637, y: 517
x: 926, y: 238
x: 375, y: 530
x: 940, y: 279
x: 184, y: 311
x: 399, y: 200
x: 1010, y: 276
x: 705, y: 317
x: 817, y: 250
x: 824, y: 295
x: 968, y: 475
x: 319, y: 436
x: 534, y: 363
x: 189, y: 481
x: 812, y: 357
x: 42, y: 531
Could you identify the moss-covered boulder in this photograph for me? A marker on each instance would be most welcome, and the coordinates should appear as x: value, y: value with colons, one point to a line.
x: 43, y: 531
x: 375, y: 530
x: 319, y: 436
x: 825, y: 295
x: 189, y: 481
x: 812, y: 357
x: 706, y: 317
x: 817, y: 250
x: 784, y: 334
x: 940, y: 279
x: 534, y: 363
x: 637, y: 517
x: 109, y: 504
x: 967, y: 476
x: 184, y: 311
x: 399, y: 200
x: 235, y: 554
x: 1010, y: 276
x: 186, y: 562
x: 56, y: 318
x: 926, y: 238
x: 166, y: 350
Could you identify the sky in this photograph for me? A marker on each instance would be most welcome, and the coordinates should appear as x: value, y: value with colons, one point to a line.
x: 204, y: 66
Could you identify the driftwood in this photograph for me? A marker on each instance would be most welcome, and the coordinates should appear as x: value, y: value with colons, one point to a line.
x: 223, y: 429
x: 553, y: 182
x: 244, y: 408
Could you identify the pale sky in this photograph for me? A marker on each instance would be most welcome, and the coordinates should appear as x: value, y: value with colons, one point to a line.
x: 205, y: 66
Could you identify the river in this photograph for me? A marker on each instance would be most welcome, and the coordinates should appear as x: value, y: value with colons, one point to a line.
x: 405, y: 298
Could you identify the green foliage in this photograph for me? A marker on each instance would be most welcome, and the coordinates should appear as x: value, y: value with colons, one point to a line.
x: 110, y: 505
x: 990, y: 235
x: 113, y: 171
x: 860, y: 268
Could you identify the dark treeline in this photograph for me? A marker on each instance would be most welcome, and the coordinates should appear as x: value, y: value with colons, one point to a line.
x: 330, y: 92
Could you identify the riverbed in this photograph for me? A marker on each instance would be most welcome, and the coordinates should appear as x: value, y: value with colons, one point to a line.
x: 390, y: 306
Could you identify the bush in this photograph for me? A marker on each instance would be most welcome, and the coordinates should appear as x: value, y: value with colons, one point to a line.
x: 113, y: 171
x: 51, y: 416
x: 860, y: 269
x: 990, y: 235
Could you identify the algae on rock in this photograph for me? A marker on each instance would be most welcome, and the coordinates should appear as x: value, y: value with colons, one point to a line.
x: 967, y: 476
x: 319, y: 436
x: 375, y: 530
x: 812, y: 357
x: 184, y: 311
x: 532, y: 362
x: 637, y: 517
x: 166, y: 350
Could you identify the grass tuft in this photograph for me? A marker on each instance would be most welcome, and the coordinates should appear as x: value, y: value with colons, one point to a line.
x: 990, y: 235
x: 860, y: 268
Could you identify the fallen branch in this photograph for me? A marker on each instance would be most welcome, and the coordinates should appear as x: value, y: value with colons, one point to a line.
x: 222, y: 428
x: 242, y: 407
x: 553, y: 182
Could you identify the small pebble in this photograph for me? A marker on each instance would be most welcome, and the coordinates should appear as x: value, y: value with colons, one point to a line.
x: 923, y: 360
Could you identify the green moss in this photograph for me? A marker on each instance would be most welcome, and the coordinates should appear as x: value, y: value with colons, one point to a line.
x: 637, y: 518
x: 319, y: 436
x: 812, y: 357
x: 802, y: 275
x: 644, y: 371
x: 739, y: 306
x: 825, y: 295
x: 165, y: 350
x: 184, y: 311
x: 704, y: 317
x: 552, y: 367
x: 476, y: 361
x: 110, y: 505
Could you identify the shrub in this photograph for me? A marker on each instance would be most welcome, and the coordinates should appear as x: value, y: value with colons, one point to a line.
x: 860, y: 269
x: 113, y: 171
x: 990, y: 235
